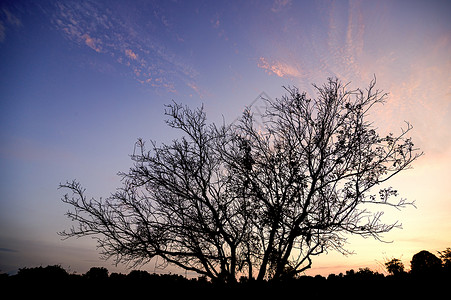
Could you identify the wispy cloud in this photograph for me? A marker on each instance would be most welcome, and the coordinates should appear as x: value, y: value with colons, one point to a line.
x: 345, y: 42
x: 198, y: 90
x: 216, y: 23
x: 7, y: 19
x: 112, y: 34
x: 279, y: 68
x: 422, y: 95
x: 11, y: 18
x: 8, y: 250
x: 278, y: 5
x: 352, y: 45
x: 354, y: 33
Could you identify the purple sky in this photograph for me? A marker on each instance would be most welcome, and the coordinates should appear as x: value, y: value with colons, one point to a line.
x: 80, y: 81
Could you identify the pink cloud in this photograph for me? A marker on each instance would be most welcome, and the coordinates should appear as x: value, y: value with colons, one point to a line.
x: 93, y: 43
x: 215, y: 23
x: 130, y: 54
x: 194, y: 87
x: 201, y: 92
x: 278, y: 68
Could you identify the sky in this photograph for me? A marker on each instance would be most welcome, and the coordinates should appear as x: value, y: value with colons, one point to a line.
x: 81, y: 81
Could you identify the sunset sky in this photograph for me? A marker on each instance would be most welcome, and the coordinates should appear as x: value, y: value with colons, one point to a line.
x: 80, y: 81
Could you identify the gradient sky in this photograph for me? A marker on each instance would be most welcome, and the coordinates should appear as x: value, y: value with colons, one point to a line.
x: 80, y: 81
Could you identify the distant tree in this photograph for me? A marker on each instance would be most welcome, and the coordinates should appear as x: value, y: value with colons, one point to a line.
x: 332, y: 276
x: 425, y: 263
x: 445, y: 256
x: 3, y: 276
x: 350, y: 273
x: 139, y: 275
x: 367, y: 274
x: 97, y: 273
x: 395, y: 267
x: 257, y: 197
x: 118, y: 276
x: 54, y: 272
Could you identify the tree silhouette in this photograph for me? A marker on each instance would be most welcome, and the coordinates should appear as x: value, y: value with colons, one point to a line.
x: 308, y: 174
x: 49, y: 273
x: 97, y: 273
x: 445, y: 256
x: 257, y: 197
x: 424, y: 263
x: 395, y: 267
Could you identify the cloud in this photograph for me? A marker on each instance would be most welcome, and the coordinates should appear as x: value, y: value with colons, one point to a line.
x: 423, y: 97
x: 116, y: 35
x: 338, y: 48
x: 278, y: 5
x: 194, y: 87
x: 92, y: 42
x: 215, y: 22
x: 158, y: 13
x: 279, y: 68
x: 201, y: 92
x: 8, y: 250
x: 354, y: 32
x: 2, y: 32
x: 7, y: 19
x: 130, y: 54
x: 217, y: 25
x: 11, y: 18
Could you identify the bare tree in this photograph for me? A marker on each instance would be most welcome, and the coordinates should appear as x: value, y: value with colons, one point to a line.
x: 175, y: 204
x: 256, y: 198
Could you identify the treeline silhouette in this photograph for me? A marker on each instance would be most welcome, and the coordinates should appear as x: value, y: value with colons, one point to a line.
x: 429, y: 275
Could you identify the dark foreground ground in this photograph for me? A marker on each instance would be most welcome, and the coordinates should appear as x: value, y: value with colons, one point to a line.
x: 150, y: 286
